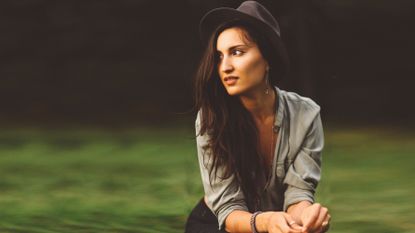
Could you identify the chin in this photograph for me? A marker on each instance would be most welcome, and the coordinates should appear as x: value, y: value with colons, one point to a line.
x: 232, y: 91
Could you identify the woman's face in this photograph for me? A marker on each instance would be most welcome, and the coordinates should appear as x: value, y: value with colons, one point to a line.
x: 241, y: 66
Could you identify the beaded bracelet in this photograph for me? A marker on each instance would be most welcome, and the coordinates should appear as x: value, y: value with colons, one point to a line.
x: 253, y: 219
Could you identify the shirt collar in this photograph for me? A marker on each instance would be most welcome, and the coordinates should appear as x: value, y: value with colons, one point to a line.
x: 280, y: 109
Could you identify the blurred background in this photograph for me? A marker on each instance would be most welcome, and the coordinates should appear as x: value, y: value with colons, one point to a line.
x: 97, y: 121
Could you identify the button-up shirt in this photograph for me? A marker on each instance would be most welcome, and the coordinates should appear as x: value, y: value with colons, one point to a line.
x: 296, y: 165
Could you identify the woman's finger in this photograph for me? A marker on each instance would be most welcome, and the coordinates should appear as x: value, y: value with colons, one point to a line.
x: 325, y: 228
x: 326, y: 223
x: 291, y: 223
x: 327, y: 219
x: 310, y: 215
x: 285, y: 224
x: 321, y: 218
x: 277, y: 223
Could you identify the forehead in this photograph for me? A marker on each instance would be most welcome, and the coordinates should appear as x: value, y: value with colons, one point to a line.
x: 231, y: 37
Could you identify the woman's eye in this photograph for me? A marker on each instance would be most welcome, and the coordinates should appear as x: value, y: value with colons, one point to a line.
x: 237, y: 52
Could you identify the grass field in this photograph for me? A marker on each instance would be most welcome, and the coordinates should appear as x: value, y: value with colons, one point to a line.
x: 147, y: 180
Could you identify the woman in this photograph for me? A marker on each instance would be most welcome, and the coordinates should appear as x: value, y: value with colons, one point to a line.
x: 259, y: 147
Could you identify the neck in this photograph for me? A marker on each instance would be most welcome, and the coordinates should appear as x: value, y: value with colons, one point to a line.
x: 260, y: 105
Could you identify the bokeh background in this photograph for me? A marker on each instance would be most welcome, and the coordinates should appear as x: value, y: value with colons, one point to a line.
x: 97, y: 120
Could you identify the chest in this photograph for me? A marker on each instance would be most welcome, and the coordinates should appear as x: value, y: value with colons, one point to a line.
x: 267, y: 141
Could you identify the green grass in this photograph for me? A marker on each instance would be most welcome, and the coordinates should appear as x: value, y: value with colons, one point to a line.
x: 147, y: 180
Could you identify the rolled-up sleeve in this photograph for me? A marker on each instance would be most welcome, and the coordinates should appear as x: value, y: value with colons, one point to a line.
x: 222, y: 195
x: 303, y: 174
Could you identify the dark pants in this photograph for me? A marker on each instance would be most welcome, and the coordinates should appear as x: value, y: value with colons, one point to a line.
x: 202, y: 220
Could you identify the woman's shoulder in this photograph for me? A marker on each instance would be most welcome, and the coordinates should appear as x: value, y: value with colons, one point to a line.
x: 297, y: 101
x: 301, y: 114
x: 299, y: 104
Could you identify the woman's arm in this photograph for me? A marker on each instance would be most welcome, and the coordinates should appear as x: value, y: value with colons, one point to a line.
x: 302, y: 178
x: 270, y: 221
x: 312, y: 218
x: 239, y: 221
x: 222, y: 196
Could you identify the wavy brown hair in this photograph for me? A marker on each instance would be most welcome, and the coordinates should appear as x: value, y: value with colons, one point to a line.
x: 233, y: 135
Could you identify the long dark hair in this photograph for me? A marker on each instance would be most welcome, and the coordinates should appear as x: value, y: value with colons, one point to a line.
x: 233, y: 135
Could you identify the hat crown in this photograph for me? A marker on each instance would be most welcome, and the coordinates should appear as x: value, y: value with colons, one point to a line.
x: 258, y: 11
x: 255, y: 14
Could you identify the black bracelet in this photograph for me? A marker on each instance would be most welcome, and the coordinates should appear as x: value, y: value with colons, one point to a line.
x: 253, y: 221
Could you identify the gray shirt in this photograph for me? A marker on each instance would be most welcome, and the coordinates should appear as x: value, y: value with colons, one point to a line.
x: 296, y: 166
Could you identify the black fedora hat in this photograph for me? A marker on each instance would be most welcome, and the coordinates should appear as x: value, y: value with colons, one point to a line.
x: 253, y: 13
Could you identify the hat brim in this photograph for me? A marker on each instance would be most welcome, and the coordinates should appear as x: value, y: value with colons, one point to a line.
x: 211, y: 20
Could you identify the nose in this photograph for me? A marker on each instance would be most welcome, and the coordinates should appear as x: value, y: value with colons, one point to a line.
x: 225, y: 65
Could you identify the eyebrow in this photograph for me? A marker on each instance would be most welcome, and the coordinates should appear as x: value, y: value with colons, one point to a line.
x: 235, y: 46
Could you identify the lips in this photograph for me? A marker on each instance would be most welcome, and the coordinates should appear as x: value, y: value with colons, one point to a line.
x: 230, y: 80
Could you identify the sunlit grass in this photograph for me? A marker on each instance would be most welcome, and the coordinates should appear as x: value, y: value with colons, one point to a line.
x: 147, y: 180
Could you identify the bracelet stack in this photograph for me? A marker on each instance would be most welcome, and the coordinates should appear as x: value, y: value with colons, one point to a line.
x: 253, y: 222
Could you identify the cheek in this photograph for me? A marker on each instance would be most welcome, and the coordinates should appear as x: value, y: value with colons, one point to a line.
x: 254, y: 68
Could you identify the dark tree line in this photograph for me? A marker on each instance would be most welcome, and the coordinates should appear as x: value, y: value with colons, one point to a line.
x: 126, y: 62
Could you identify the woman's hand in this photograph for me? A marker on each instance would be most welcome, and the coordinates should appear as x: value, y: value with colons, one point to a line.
x: 281, y: 222
x: 315, y: 219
